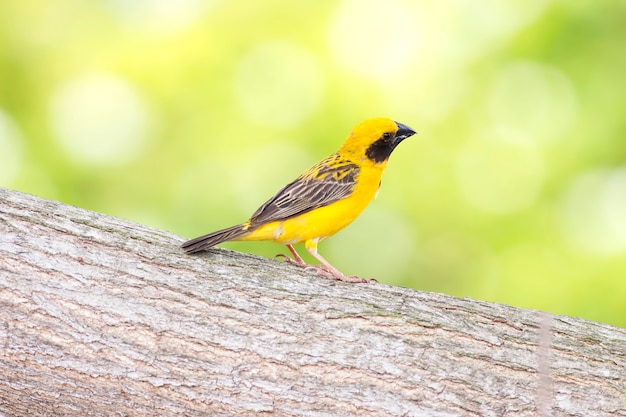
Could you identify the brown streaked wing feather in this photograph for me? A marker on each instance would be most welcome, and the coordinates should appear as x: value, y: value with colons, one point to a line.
x: 330, y: 180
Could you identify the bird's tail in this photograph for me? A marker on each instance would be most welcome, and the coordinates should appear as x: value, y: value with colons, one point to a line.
x: 212, y: 239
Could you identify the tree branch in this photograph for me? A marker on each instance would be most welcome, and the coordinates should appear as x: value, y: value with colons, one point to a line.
x: 101, y: 316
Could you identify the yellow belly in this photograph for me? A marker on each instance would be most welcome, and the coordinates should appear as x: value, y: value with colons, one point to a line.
x: 321, y: 222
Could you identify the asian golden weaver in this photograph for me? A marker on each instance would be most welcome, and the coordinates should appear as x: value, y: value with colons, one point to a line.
x: 323, y: 200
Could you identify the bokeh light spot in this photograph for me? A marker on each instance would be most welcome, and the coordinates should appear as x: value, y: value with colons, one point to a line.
x: 471, y: 31
x: 532, y: 97
x: 593, y: 212
x: 99, y: 119
x: 500, y: 175
x: 159, y: 16
x: 10, y: 148
x: 376, y: 39
x: 256, y: 182
x: 278, y: 84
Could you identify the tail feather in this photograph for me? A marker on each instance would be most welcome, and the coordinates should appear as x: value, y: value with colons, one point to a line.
x: 212, y: 239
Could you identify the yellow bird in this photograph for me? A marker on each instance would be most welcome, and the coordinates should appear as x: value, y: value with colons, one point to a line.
x: 323, y: 200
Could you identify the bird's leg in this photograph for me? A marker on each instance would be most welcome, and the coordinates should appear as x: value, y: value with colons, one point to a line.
x: 326, y: 269
x: 297, y: 260
x: 296, y: 257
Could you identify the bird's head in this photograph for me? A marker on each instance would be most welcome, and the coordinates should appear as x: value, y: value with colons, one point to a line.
x: 375, y: 139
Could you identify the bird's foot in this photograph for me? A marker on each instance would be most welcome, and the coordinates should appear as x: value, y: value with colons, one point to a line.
x: 326, y: 272
x: 322, y: 270
x: 285, y: 258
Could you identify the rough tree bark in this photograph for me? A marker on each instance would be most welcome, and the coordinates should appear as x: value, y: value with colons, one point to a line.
x: 100, y: 316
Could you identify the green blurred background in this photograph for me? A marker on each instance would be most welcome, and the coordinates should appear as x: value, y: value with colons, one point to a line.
x: 188, y: 115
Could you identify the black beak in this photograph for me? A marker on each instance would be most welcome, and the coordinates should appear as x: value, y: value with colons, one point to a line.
x: 403, y: 132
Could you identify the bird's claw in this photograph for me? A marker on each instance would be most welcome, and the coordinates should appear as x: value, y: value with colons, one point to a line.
x: 287, y: 259
x: 328, y: 273
x: 322, y: 270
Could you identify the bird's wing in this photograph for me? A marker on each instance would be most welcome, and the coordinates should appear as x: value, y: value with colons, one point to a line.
x: 332, y: 179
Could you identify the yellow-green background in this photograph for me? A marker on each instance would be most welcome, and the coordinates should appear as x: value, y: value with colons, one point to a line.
x: 187, y: 115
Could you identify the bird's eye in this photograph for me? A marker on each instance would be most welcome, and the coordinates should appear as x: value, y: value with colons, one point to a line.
x: 386, y: 136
